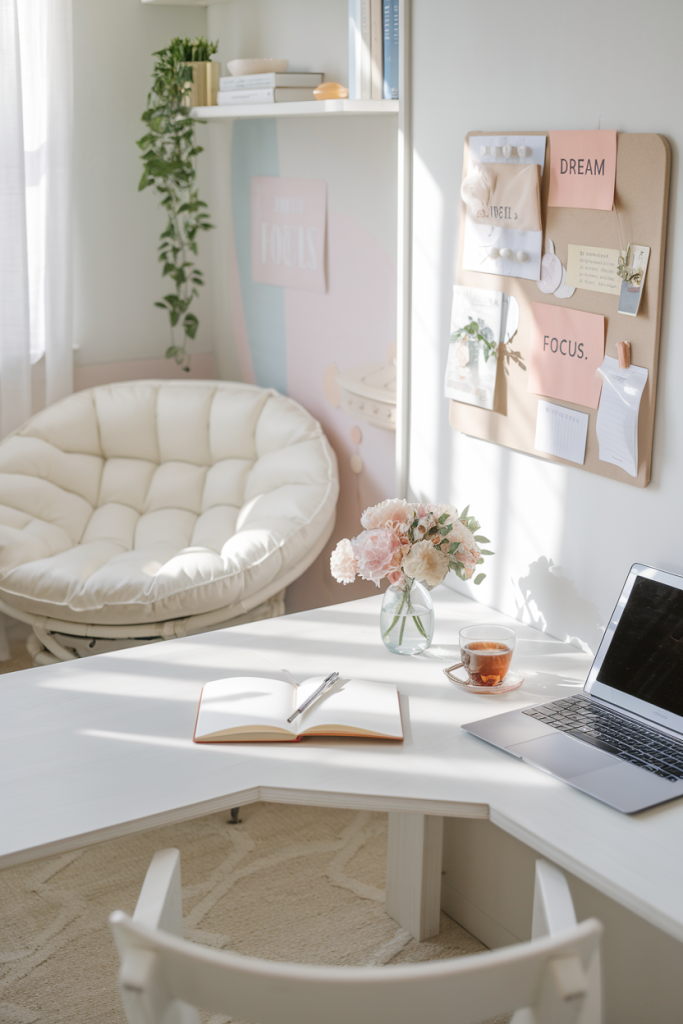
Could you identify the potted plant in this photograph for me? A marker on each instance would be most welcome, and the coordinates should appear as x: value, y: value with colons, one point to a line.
x: 205, y: 72
x: 169, y: 153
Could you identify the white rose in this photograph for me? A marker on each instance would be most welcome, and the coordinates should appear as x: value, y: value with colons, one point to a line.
x: 425, y: 563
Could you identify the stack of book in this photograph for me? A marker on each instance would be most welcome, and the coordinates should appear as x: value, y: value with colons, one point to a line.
x: 270, y: 87
x: 373, y: 49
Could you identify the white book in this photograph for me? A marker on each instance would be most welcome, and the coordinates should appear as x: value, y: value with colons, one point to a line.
x: 376, y: 50
x: 244, y: 96
x: 359, y: 50
x: 252, y: 709
x: 272, y: 79
x: 366, y: 51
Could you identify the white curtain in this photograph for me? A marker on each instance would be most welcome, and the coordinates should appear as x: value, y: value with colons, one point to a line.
x: 36, y: 135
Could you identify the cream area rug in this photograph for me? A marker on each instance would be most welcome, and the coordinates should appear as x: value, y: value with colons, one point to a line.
x: 288, y: 883
x: 299, y: 884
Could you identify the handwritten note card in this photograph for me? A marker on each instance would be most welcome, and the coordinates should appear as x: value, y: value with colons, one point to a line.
x: 583, y: 168
x: 561, y: 432
x: 567, y: 347
x: 617, y: 420
x: 594, y: 269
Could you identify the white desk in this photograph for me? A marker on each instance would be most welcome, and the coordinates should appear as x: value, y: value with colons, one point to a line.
x: 102, y: 747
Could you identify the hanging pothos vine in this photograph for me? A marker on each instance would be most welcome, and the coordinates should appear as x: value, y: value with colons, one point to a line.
x: 169, y: 154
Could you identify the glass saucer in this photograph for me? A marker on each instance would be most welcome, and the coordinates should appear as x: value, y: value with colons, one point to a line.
x: 513, y: 679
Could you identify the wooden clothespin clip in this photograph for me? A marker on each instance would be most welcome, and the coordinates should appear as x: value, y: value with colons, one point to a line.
x: 624, y: 354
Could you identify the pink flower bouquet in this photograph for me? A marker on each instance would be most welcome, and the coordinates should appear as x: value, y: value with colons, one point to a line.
x: 409, y: 542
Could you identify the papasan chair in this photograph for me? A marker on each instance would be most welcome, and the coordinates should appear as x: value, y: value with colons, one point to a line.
x: 154, y: 509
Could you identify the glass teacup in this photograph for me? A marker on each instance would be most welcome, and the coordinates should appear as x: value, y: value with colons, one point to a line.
x: 486, y: 653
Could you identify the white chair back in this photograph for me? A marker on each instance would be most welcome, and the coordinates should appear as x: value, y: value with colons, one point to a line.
x: 553, y: 979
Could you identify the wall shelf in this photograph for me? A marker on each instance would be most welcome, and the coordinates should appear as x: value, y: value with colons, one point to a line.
x: 312, y: 108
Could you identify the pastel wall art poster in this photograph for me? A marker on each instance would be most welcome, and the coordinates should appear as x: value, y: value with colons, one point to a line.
x: 583, y: 168
x: 288, y: 226
x: 567, y: 347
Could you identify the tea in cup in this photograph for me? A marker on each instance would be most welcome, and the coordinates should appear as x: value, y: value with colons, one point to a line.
x: 486, y: 653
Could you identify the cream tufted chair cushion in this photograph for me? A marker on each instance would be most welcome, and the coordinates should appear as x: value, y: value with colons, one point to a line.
x: 147, y: 501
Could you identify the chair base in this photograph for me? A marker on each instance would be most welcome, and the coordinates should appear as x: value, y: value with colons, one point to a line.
x: 48, y: 647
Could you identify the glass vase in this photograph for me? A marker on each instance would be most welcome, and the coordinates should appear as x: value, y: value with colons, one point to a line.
x: 406, y: 620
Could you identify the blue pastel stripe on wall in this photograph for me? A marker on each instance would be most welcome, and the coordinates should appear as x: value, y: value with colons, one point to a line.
x: 255, y: 154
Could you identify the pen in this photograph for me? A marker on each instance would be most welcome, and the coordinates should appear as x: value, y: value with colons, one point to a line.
x: 314, y: 696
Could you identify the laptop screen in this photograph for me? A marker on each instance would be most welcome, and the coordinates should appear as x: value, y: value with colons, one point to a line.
x: 645, y: 656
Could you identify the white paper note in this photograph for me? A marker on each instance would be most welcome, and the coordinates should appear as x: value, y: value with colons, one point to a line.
x: 617, y: 422
x: 561, y: 432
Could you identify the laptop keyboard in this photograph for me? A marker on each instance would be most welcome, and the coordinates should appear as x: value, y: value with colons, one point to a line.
x: 617, y: 735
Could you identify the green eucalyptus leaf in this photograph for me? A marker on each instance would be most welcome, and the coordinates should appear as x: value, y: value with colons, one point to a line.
x: 480, y: 578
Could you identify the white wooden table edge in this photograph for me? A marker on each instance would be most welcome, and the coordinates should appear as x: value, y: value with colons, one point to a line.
x: 615, y: 892
x: 242, y: 798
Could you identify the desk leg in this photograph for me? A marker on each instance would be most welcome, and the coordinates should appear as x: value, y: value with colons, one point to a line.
x: 413, y: 890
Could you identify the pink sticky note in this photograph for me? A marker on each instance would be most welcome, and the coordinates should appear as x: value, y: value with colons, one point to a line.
x: 567, y: 347
x: 288, y: 224
x: 583, y: 168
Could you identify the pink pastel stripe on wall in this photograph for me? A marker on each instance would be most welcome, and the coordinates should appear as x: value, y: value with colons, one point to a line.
x: 202, y: 368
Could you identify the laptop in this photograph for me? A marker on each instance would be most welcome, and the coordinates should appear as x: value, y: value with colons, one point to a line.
x: 621, y: 739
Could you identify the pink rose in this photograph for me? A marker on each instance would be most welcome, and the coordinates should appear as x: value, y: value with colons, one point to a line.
x: 377, y: 553
x: 394, y: 511
x: 343, y: 564
x: 468, y: 553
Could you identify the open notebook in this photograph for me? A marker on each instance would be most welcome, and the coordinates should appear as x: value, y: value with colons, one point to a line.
x: 247, y: 708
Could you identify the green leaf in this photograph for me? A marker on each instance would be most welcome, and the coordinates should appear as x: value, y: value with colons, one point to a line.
x: 487, y: 552
x: 463, y: 514
x: 481, y: 539
x: 478, y: 579
x: 442, y: 519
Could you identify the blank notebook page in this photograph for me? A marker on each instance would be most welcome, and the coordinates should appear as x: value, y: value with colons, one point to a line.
x: 373, y: 707
x: 246, y: 701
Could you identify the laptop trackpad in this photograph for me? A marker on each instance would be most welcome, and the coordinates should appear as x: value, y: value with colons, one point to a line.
x: 561, y: 755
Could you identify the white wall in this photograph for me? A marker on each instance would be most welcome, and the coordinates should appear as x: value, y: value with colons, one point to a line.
x: 353, y: 324
x: 564, y: 538
x: 311, y: 35
x: 116, y: 228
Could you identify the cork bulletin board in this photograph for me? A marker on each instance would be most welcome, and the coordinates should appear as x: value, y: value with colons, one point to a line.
x: 639, y: 217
